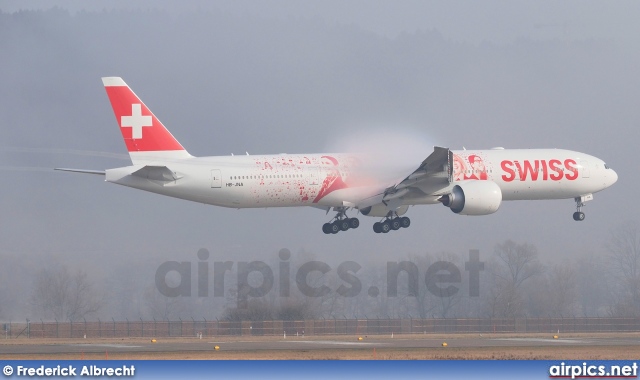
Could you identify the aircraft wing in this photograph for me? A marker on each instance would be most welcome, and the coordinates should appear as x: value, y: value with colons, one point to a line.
x: 433, y: 174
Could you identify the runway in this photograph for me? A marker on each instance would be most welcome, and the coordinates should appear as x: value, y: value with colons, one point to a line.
x: 247, y: 345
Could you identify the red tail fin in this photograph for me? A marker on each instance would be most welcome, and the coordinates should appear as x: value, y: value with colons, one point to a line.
x: 145, y: 136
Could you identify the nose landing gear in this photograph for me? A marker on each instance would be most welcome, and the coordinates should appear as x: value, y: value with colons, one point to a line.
x: 580, y: 203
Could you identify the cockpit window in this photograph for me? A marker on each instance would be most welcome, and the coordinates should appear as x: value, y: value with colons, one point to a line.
x: 606, y: 166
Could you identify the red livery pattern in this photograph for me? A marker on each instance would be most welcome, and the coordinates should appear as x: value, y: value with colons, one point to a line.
x: 141, y: 130
x: 332, y: 182
x: 537, y: 170
x: 283, y: 179
x: 475, y: 169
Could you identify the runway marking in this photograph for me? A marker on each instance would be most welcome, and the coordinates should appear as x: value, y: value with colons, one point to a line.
x: 544, y: 340
x: 330, y: 342
x: 103, y: 345
x: 337, y: 343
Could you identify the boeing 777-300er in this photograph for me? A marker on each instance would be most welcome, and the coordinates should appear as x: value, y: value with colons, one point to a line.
x: 469, y: 182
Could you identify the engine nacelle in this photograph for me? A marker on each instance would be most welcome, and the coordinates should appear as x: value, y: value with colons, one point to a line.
x: 381, y: 210
x: 473, y: 198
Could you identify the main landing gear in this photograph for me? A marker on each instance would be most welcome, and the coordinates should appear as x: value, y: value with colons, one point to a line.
x: 579, y: 215
x: 341, y: 222
x: 390, y: 223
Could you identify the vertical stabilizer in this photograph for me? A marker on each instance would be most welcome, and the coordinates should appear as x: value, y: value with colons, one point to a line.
x: 146, y: 138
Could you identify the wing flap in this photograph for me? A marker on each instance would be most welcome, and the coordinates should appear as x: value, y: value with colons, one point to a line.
x: 434, y: 169
x: 433, y: 174
x: 436, y: 165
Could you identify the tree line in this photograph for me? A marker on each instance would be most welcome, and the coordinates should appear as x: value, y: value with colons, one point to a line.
x: 514, y: 282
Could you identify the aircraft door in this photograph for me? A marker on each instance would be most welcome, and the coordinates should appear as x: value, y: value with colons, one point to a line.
x: 315, y: 176
x: 216, y: 179
x: 450, y: 166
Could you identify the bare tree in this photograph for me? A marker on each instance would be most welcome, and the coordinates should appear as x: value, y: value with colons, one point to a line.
x: 503, y: 300
x: 64, y: 296
x: 260, y: 309
x: 406, y: 293
x: 294, y: 310
x: 520, y: 261
x: 592, y: 284
x: 561, y: 291
x: 554, y: 295
x: 623, y: 249
x: 256, y: 310
x: 159, y: 306
x: 445, y: 299
x: 513, y: 264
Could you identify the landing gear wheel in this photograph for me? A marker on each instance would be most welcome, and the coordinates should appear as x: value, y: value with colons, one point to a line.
x: 340, y: 222
x: 395, y: 224
x: 377, y: 227
x: 405, y: 222
x: 578, y: 216
x: 385, y: 227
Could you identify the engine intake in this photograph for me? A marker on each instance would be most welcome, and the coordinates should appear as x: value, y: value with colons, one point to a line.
x: 473, y: 198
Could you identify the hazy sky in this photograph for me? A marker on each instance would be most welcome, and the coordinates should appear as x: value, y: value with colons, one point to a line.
x: 311, y: 76
x: 496, y: 21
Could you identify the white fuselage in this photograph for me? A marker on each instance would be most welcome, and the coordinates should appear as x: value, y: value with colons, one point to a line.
x: 333, y: 180
x: 469, y: 182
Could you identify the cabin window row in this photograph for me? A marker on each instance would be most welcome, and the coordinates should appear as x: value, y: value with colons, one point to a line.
x: 272, y: 176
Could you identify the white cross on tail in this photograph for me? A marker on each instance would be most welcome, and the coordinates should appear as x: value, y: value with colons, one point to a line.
x: 136, y: 121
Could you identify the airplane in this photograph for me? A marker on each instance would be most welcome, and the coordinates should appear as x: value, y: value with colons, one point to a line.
x: 469, y: 182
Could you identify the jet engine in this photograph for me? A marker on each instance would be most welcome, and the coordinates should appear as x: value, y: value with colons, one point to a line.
x: 473, y: 198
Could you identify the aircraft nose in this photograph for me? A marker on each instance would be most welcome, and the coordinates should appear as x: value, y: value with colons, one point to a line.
x: 613, y: 177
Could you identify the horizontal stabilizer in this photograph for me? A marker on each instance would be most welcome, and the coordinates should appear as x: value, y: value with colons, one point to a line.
x: 157, y: 173
x: 85, y: 171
